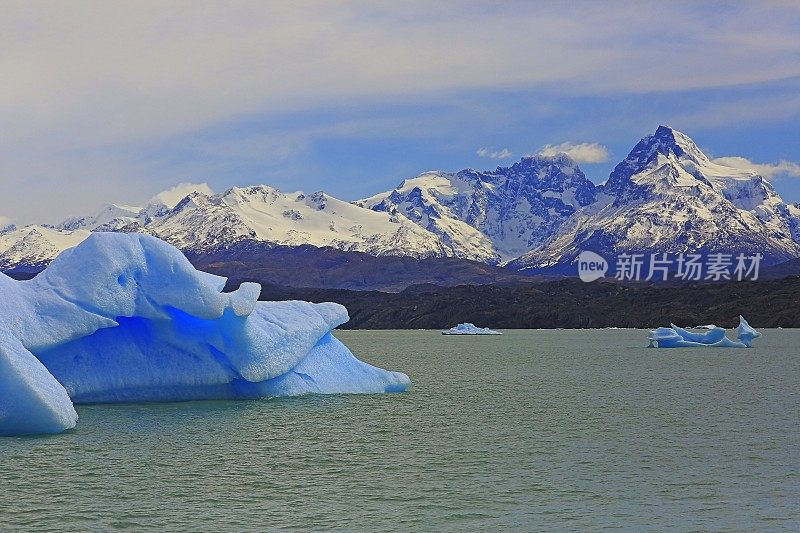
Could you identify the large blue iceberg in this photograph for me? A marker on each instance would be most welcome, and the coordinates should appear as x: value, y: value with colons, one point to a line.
x: 677, y: 337
x: 123, y: 318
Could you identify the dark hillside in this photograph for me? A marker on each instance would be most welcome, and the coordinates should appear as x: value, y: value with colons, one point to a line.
x: 567, y: 303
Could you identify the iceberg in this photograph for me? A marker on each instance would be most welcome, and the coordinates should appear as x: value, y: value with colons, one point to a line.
x: 468, y: 328
x: 127, y: 318
x: 677, y: 337
x: 745, y: 333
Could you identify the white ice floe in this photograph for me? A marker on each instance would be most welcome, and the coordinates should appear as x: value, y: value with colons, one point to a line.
x: 677, y: 337
x: 467, y: 328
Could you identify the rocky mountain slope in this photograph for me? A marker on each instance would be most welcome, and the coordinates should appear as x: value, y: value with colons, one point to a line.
x: 31, y: 248
x: 668, y: 196
x: 265, y: 214
x: 492, y: 216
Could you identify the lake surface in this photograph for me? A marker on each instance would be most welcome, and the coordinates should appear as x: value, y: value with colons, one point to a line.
x: 532, y: 430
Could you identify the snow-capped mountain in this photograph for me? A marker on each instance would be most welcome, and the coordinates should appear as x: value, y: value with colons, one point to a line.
x: 202, y: 220
x: 33, y: 247
x: 128, y: 218
x: 668, y: 196
x: 6, y: 225
x: 111, y: 217
x: 492, y: 216
x: 537, y: 214
x: 263, y: 213
x: 30, y: 248
x: 160, y: 204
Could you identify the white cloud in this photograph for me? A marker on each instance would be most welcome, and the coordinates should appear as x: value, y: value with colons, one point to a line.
x: 4, y: 221
x: 505, y: 153
x: 580, y: 152
x: 172, y: 196
x: 767, y: 170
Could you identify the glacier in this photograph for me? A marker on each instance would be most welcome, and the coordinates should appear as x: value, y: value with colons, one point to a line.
x: 677, y: 337
x: 126, y: 318
x: 467, y: 328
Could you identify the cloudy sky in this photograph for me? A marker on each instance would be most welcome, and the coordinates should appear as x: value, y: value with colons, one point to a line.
x: 108, y: 101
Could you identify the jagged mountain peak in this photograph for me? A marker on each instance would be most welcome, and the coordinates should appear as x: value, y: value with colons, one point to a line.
x: 109, y: 215
x: 266, y: 194
x: 505, y: 211
x: 7, y: 227
x: 533, y: 165
x: 663, y: 160
x: 668, y: 196
x: 666, y: 142
x: 251, y: 193
x: 547, y: 172
x: 669, y: 162
x: 194, y: 199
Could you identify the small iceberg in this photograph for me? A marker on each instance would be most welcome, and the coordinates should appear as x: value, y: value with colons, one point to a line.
x: 467, y: 328
x: 677, y: 337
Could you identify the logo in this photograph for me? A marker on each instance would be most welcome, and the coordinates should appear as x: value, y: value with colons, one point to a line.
x: 591, y: 266
x: 663, y: 266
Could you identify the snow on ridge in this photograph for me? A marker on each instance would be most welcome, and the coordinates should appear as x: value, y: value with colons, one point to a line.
x: 536, y: 211
x: 36, y: 245
x: 491, y: 215
x: 264, y: 213
x: 667, y: 195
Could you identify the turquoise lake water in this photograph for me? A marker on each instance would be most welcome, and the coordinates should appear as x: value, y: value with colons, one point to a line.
x: 529, y: 431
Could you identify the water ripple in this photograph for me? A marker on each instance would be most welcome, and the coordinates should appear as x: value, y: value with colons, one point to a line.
x: 535, y: 430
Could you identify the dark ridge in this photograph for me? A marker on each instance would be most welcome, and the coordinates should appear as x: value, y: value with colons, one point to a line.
x: 309, y: 266
x: 403, y: 292
x: 568, y: 303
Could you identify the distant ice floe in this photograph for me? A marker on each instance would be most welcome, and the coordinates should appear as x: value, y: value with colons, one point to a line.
x: 677, y: 337
x: 127, y: 318
x: 467, y: 328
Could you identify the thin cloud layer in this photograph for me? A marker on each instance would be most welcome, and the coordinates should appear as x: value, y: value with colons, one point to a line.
x: 505, y: 153
x: 129, y: 71
x: 97, y: 95
x: 581, y: 152
x: 767, y: 170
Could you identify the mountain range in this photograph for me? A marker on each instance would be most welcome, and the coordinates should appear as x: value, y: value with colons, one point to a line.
x: 534, y: 216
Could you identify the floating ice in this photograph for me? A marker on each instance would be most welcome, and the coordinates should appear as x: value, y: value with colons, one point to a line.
x: 467, y: 328
x: 745, y: 333
x: 676, y: 337
x: 127, y: 318
x: 31, y: 399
